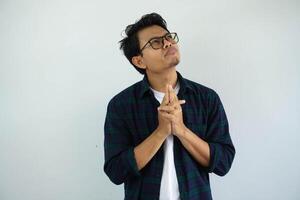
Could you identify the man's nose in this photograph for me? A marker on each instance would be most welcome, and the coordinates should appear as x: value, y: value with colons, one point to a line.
x: 167, y: 43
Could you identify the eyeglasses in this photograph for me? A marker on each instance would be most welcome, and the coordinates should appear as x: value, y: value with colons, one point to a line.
x: 158, y: 42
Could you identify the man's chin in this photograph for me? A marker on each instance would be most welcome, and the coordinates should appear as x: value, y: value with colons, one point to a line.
x: 174, y: 62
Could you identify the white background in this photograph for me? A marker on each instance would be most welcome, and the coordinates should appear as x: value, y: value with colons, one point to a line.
x: 60, y: 64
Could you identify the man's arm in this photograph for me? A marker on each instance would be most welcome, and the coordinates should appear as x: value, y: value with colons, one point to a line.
x: 147, y: 149
x: 197, y: 147
x: 122, y: 159
x: 217, y: 135
x: 118, y: 150
x: 217, y: 152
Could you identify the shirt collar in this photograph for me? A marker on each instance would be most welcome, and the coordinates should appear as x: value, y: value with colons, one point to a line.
x: 184, y: 85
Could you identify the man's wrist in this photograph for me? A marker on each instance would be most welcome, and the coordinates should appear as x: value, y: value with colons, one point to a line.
x: 183, y: 132
x: 161, y: 133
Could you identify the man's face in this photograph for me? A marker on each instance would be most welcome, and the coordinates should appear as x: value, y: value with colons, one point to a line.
x: 157, y: 60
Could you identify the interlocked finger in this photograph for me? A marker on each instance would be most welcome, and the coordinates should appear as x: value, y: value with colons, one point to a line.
x: 172, y: 95
x: 166, y: 99
x: 171, y: 108
x: 167, y: 109
x: 169, y: 116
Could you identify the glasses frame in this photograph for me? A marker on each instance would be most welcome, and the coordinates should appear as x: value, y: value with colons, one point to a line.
x: 163, y: 38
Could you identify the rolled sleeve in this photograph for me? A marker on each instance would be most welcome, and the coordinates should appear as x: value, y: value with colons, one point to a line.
x: 131, y: 162
x: 222, y: 151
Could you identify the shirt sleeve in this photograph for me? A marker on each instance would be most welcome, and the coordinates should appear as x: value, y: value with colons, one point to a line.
x: 120, y: 162
x: 222, y: 151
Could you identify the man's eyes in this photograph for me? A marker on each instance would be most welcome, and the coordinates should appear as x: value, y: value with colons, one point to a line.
x: 156, y: 41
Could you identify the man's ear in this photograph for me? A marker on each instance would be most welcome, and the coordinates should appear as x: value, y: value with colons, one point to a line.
x: 138, y: 61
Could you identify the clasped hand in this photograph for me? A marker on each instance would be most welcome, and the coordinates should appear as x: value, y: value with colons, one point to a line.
x: 170, y: 113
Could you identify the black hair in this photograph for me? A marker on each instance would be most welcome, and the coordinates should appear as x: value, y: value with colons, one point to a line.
x: 130, y: 44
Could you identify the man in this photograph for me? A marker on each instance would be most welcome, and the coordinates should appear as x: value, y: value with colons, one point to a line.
x: 164, y: 134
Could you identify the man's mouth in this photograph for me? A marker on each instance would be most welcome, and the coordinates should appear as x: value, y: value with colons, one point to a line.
x: 171, y: 51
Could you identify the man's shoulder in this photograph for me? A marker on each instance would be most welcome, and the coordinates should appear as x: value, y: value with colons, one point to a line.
x: 206, y: 95
x: 200, y: 89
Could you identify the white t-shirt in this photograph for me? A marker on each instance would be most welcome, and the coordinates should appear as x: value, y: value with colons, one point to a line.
x: 169, y: 184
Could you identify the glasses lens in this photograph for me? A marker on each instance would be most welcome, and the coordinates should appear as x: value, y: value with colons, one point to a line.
x: 156, y: 43
x: 172, y: 37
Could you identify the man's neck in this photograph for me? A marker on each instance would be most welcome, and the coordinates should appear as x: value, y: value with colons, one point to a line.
x: 159, y: 81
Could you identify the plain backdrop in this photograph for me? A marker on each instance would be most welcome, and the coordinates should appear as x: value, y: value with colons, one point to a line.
x: 60, y: 64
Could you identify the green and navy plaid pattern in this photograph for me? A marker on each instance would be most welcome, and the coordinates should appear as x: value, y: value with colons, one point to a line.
x: 132, y: 116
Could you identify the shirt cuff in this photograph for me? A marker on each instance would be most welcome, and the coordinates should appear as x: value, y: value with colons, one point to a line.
x: 214, y: 154
x: 130, y: 162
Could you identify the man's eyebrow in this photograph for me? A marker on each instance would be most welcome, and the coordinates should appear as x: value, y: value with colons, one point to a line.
x: 156, y: 37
